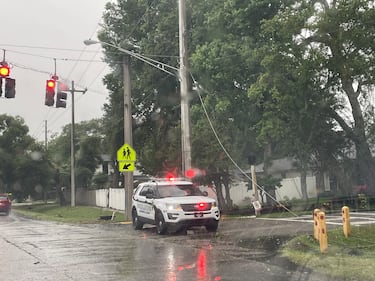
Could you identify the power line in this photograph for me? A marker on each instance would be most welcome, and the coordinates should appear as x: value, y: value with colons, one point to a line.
x: 199, y: 88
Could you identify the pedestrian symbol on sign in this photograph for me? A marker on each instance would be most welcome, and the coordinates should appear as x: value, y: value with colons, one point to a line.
x: 126, y: 153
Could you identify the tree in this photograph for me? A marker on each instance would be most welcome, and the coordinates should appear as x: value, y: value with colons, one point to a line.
x: 24, y: 167
x: 318, y: 69
x: 226, y: 62
x: 148, y: 28
x: 222, y: 43
x: 89, y: 139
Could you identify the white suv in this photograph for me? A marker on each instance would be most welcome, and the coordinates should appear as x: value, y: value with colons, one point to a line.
x: 173, y: 205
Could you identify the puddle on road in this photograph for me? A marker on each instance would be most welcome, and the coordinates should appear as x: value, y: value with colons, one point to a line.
x: 267, y: 250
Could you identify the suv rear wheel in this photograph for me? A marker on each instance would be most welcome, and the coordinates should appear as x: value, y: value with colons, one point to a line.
x: 161, y: 227
x: 136, y: 223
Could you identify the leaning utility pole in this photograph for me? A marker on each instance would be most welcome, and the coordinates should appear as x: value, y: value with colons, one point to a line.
x: 185, y: 116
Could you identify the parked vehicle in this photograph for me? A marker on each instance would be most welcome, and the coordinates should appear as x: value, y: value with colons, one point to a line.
x: 173, y: 205
x: 5, y: 204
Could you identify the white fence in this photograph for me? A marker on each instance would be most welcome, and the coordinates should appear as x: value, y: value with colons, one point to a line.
x: 113, y: 198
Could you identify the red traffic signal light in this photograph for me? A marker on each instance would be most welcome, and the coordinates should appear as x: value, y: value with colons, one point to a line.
x: 4, y: 70
x: 51, y: 84
x: 50, y: 92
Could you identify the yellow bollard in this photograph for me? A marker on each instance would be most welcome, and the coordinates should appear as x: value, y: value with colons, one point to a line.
x: 346, y: 221
x: 316, y: 224
x: 323, y: 240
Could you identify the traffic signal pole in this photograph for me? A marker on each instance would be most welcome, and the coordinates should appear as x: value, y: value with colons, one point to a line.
x: 72, y: 150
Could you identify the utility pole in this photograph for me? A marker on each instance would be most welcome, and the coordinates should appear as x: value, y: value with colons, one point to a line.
x: 185, y: 115
x: 45, y: 135
x: 128, y: 136
x: 72, y: 151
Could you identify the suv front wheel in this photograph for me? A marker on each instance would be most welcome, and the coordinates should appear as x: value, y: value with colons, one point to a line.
x: 212, y: 226
x: 161, y: 227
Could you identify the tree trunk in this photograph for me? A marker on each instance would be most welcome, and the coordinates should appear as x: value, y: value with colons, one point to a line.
x: 219, y: 193
x: 229, y: 202
x: 358, y: 135
x: 366, y: 167
x: 304, y: 184
x: 267, y: 162
x: 319, y: 177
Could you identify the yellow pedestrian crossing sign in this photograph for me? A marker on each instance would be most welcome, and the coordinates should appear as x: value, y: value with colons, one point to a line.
x: 126, y: 153
x: 126, y: 157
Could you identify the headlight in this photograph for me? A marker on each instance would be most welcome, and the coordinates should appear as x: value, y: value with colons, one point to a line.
x: 172, y: 207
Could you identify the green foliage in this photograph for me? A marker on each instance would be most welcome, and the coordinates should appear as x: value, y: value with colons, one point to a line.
x: 314, y: 53
x: 89, y: 147
x: 148, y: 27
x: 24, y: 168
x: 274, y: 73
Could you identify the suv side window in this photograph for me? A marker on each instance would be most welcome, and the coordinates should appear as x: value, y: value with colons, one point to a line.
x: 148, y: 191
x: 144, y: 190
x: 151, y: 192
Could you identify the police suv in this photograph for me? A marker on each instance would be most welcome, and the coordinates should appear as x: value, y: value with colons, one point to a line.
x: 173, y: 205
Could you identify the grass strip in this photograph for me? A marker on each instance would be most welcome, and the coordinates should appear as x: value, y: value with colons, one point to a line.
x: 349, y: 259
x: 68, y: 214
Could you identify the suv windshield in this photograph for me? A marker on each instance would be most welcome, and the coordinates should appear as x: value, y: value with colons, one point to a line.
x: 178, y: 191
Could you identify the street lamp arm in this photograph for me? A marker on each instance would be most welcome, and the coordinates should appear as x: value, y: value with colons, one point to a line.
x: 157, y: 64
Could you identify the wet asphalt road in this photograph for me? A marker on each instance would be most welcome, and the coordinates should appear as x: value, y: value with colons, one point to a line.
x: 242, y: 249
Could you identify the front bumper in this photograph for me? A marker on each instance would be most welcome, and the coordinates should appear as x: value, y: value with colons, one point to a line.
x: 177, y: 219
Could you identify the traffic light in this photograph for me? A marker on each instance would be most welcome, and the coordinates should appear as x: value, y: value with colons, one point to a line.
x: 61, y: 95
x: 61, y: 99
x: 50, y: 92
x: 10, y: 88
x: 4, y: 70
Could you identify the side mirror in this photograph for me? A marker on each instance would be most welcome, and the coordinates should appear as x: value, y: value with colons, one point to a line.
x: 205, y: 193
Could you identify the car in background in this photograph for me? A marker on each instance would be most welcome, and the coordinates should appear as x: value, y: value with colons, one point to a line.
x: 173, y: 205
x: 5, y: 204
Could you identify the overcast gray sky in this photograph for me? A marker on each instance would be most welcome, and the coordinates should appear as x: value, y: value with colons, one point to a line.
x: 35, y: 32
